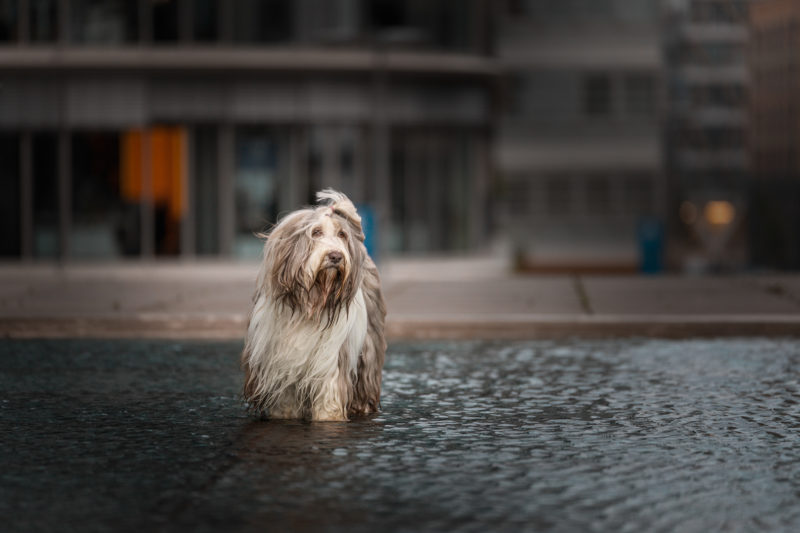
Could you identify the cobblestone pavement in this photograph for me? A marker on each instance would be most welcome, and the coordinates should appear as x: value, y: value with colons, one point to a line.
x: 604, y: 435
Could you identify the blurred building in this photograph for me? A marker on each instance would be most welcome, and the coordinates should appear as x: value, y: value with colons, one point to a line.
x: 774, y: 55
x: 181, y: 127
x: 579, y: 148
x: 706, y: 132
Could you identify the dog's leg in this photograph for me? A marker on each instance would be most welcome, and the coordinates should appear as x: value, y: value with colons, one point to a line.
x: 367, y: 388
x: 329, y: 405
x: 287, y: 406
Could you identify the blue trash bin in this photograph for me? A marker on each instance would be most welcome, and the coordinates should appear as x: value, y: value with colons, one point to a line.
x: 650, y: 235
x: 370, y: 226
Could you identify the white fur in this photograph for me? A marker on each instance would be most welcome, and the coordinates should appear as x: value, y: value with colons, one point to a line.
x: 301, y: 357
x: 315, y: 344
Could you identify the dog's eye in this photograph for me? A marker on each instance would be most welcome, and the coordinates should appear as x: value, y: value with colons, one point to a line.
x: 316, y: 232
x: 342, y: 234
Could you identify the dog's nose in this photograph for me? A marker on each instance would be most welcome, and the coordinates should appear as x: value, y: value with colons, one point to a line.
x: 335, y: 257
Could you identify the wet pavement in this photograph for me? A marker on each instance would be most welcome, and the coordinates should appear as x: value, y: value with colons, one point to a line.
x: 612, y: 435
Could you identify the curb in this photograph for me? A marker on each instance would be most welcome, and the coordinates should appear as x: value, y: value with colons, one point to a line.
x: 515, y: 327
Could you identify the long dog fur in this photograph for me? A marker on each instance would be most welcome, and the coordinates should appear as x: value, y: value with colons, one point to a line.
x: 315, y: 339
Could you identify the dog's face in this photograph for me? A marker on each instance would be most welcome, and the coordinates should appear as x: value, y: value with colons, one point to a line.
x: 331, y: 246
x: 316, y: 259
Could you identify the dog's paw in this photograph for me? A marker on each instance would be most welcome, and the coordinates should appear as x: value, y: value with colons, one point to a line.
x: 328, y: 416
x: 284, y: 413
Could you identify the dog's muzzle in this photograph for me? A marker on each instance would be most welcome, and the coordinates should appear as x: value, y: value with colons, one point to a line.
x: 334, y: 259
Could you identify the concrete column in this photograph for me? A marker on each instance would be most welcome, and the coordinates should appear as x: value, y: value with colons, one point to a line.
x: 283, y: 136
x: 64, y: 154
x: 145, y: 22
x: 577, y: 195
x: 26, y: 194
x: 146, y: 205
x: 185, y: 21
x: 331, y: 175
x: 295, y: 179
x: 477, y: 216
x: 411, y: 178
x: 23, y: 21
x: 381, y: 151
x: 460, y: 190
x: 225, y: 21
x: 660, y: 202
x: 63, y: 37
x: 433, y: 217
x: 300, y: 161
x: 616, y: 184
x: 359, y: 165
x: 226, y: 173
x: 187, y: 190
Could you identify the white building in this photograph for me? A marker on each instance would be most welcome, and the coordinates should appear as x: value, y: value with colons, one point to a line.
x: 579, y: 149
x: 181, y: 127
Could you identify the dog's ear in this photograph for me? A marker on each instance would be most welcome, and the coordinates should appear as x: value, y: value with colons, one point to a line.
x: 343, y: 207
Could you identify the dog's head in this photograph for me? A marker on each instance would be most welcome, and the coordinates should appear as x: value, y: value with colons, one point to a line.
x: 314, y: 257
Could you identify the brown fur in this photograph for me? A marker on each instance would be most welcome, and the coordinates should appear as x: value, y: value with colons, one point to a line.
x: 367, y: 388
x: 328, y: 293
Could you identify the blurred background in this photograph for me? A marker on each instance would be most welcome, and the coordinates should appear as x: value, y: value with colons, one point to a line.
x: 571, y: 135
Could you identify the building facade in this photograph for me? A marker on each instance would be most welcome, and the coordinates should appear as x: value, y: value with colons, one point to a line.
x: 774, y: 56
x: 579, y: 148
x: 136, y: 128
x: 708, y: 164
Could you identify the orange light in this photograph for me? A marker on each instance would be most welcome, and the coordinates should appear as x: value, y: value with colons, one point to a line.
x: 719, y: 213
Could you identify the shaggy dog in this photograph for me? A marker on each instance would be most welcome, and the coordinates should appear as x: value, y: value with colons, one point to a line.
x: 315, y: 344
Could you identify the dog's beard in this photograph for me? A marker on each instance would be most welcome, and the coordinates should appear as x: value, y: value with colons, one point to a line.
x: 326, y: 296
x: 320, y: 298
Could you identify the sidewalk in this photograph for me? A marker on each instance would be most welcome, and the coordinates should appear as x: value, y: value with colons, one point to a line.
x: 426, y: 299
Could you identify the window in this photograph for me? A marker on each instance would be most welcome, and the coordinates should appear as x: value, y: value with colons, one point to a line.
x: 205, y: 15
x: 8, y: 21
x: 719, y: 11
x: 516, y: 7
x: 256, y: 187
x: 9, y: 195
x: 545, y: 95
x: 636, y: 11
x: 559, y: 197
x: 713, y: 138
x: 722, y: 95
x: 205, y: 190
x: 104, y: 222
x: 638, y: 195
x: 263, y: 21
x: 598, y: 196
x: 104, y: 21
x: 348, y: 162
x: 165, y: 21
x: 329, y: 20
x: 722, y: 54
x: 519, y: 199
x: 45, y: 195
x: 167, y: 155
x: 597, y: 94
x: 640, y: 94
x: 438, y: 24
x: 548, y: 12
x: 43, y: 21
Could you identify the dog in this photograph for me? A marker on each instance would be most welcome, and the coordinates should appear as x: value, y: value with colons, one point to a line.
x: 315, y: 342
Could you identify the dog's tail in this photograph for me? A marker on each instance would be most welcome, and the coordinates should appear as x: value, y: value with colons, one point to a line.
x: 342, y: 206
